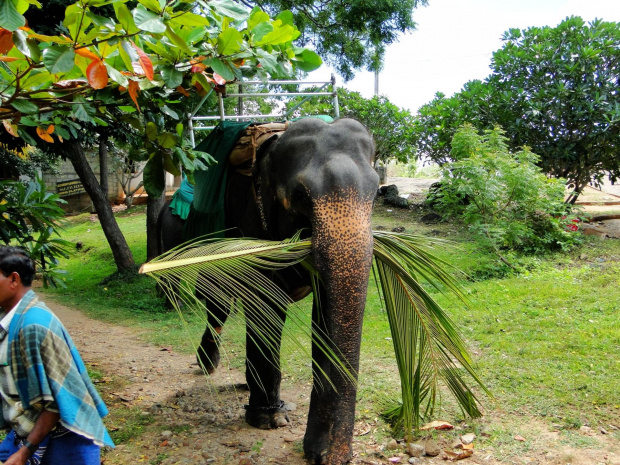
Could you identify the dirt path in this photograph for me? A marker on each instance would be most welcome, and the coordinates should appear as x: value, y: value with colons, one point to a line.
x: 194, y: 422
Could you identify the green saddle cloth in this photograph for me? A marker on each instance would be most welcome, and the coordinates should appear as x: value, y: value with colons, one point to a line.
x: 206, y: 214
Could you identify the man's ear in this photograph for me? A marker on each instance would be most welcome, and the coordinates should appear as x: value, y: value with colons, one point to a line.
x: 15, y: 278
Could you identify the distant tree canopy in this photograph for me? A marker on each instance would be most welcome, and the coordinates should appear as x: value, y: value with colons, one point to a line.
x: 552, y: 89
x: 391, y: 127
x: 350, y: 35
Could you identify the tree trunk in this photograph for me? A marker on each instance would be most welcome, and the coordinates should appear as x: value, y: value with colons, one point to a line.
x: 120, y: 250
x: 103, y: 163
x: 153, y: 207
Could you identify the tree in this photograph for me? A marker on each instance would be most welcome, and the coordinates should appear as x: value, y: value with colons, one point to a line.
x: 559, y: 90
x: 391, y: 127
x: 129, y: 68
x: 552, y: 89
x: 350, y: 35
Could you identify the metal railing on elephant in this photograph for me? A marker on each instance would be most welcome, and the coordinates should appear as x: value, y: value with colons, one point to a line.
x: 324, y: 89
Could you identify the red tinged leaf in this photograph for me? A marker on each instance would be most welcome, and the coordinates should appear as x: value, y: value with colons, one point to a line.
x: 69, y: 83
x: 10, y: 59
x: 134, y: 88
x: 145, y: 62
x: 198, y: 67
x: 42, y: 133
x: 6, y: 41
x: 50, y: 129
x: 86, y: 53
x: 97, y: 75
x: 219, y: 80
x: 10, y: 128
x: 183, y: 91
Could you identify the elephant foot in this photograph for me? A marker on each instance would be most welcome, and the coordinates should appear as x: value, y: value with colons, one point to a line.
x: 208, y: 356
x: 323, y: 448
x: 267, y: 417
x: 328, y: 455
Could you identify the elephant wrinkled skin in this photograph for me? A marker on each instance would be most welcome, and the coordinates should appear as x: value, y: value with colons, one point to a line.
x: 316, y: 176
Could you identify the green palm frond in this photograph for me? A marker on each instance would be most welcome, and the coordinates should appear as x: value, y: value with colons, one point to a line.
x: 427, y: 344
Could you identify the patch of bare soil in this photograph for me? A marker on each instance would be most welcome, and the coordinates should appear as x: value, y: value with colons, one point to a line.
x: 193, y: 421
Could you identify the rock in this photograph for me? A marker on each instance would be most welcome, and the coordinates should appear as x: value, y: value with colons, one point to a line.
x: 290, y: 406
x: 431, y: 448
x: 604, y: 431
x: 398, y: 229
x: 415, y: 450
x: 166, y: 434
x: 414, y: 460
x: 431, y: 218
x: 392, y: 445
x: 468, y: 438
x: 585, y: 430
x: 290, y: 438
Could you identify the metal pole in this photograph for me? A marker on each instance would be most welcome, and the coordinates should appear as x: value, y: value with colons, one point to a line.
x: 335, y: 97
x: 240, y: 102
x: 222, y: 114
x: 376, y: 82
x: 190, y: 123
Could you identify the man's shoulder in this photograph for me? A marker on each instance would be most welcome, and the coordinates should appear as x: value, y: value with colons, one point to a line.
x: 39, y: 315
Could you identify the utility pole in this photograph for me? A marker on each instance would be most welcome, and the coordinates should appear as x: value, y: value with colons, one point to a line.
x: 376, y: 83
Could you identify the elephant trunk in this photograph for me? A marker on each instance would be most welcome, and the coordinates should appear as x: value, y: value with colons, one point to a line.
x: 342, y: 249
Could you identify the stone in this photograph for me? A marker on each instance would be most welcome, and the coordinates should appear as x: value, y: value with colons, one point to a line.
x: 166, y: 434
x: 415, y: 450
x: 392, y: 445
x: 468, y: 438
x: 431, y: 448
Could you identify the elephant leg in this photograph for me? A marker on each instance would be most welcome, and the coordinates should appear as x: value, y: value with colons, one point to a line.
x: 208, y: 352
x: 265, y: 409
x: 332, y: 403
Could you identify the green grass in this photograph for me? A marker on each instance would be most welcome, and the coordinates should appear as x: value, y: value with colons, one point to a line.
x: 545, y: 341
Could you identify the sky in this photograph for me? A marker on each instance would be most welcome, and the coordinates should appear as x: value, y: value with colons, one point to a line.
x: 454, y: 43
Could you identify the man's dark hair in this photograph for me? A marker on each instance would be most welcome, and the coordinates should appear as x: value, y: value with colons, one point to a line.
x: 17, y: 259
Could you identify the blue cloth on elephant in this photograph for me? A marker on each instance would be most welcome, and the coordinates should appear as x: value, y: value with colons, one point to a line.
x: 182, y: 199
x: 46, y: 366
x: 207, y: 213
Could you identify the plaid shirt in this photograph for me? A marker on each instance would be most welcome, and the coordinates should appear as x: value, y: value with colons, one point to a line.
x: 22, y: 421
x: 48, y: 369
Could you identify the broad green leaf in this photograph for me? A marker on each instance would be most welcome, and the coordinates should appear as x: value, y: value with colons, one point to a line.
x: 222, y: 69
x: 230, y: 9
x: 179, y: 129
x: 153, y: 175
x: 125, y: 18
x: 202, y: 80
x: 76, y: 21
x: 229, y: 41
x: 127, y: 109
x: 167, y: 140
x: 170, y: 166
x: 190, y: 19
x: 267, y: 60
x: 148, y: 21
x: 58, y: 59
x: 10, y: 19
x: 117, y: 76
x: 281, y: 35
x: 24, y: 106
x: 151, y: 130
x: 172, y: 77
x: 101, y: 21
x: 154, y: 5
x: 286, y: 17
x: 128, y: 54
x: 170, y: 112
x: 258, y: 17
x: 29, y: 47
x: 261, y: 30
x: 178, y: 41
x: 307, y: 60
x: 82, y: 110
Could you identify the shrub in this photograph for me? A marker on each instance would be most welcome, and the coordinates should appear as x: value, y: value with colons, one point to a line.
x: 504, y: 197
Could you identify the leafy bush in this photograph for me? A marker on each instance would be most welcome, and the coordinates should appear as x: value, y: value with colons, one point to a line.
x: 29, y: 217
x: 504, y: 197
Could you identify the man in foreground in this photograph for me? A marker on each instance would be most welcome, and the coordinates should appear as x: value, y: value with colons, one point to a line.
x: 48, y: 400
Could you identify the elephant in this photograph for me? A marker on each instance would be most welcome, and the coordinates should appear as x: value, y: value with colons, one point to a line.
x: 317, y: 177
